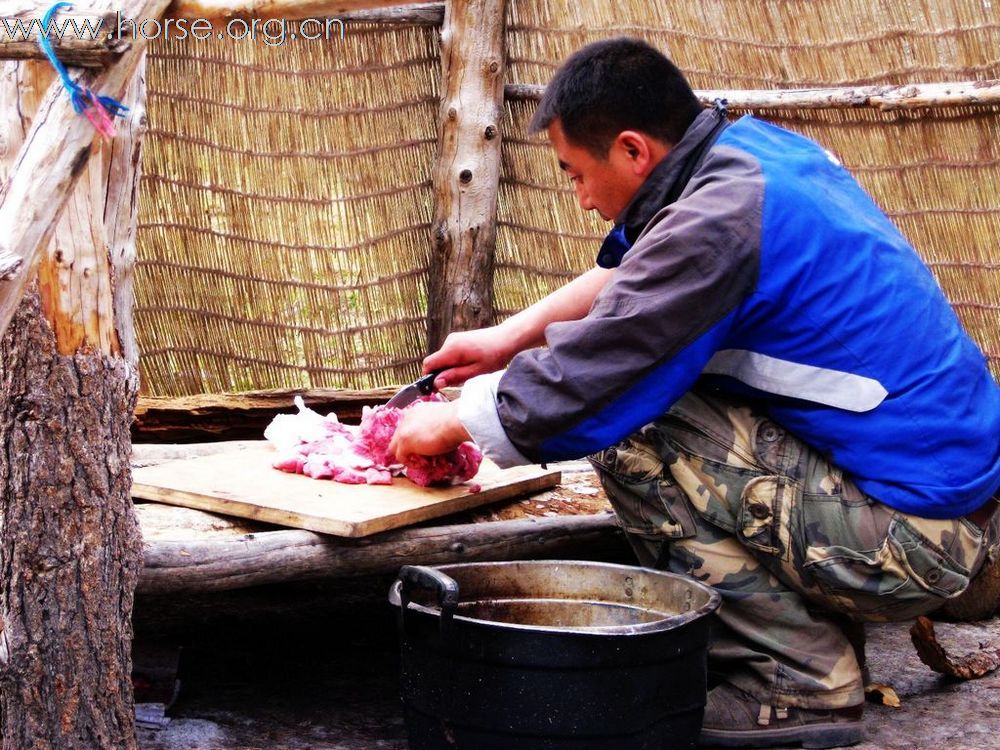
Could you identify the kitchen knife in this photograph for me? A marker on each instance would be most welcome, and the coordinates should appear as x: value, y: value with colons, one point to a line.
x: 420, y: 387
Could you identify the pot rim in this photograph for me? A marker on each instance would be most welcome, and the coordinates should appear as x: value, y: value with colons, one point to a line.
x: 666, y: 623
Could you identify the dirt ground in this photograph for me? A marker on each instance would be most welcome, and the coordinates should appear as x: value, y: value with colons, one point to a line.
x: 314, y: 667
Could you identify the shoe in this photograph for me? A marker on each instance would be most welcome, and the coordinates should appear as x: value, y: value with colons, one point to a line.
x: 736, y: 719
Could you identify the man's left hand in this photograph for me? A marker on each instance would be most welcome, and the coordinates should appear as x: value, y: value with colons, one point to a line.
x: 428, y: 429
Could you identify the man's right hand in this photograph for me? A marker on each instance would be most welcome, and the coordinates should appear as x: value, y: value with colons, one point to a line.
x: 470, y: 353
x: 466, y: 354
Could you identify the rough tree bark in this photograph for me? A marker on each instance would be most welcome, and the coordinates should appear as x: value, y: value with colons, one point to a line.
x: 70, y: 548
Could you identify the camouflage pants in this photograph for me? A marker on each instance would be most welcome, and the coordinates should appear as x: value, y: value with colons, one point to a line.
x: 717, y: 492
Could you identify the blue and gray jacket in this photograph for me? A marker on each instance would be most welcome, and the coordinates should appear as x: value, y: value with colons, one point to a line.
x: 760, y: 263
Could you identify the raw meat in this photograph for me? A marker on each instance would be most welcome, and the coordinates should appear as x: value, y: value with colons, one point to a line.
x: 458, y: 466
x: 324, y: 448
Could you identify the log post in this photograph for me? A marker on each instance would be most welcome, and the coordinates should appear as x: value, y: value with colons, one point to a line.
x: 467, y: 172
x: 121, y: 215
x: 70, y: 546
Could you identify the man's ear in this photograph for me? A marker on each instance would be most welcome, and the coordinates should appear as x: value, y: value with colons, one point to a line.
x: 642, y: 152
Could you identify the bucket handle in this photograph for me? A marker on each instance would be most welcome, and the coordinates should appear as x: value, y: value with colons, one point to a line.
x: 429, y: 578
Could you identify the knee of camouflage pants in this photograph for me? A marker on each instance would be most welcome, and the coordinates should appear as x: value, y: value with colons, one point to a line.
x: 726, y: 495
x: 650, y: 507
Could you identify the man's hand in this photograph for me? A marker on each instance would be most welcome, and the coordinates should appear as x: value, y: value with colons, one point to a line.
x: 469, y: 353
x: 428, y: 429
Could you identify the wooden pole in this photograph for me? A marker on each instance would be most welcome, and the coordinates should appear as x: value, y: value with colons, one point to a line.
x: 53, y: 156
x: 121, y: 215
x: 79, y: 39
x: 288, y: 9
x: 467, y: 172
x: 423, y: 14
x: 910, y: 96
x: 77, y: 46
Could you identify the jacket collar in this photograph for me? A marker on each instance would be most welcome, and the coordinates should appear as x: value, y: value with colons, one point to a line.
x: 668, y: 179
x: 663, y: 186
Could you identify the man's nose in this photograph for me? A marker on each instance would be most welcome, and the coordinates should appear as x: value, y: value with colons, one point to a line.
x: 584, y: 198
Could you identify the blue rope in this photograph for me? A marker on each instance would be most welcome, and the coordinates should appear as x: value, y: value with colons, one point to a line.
x: 81, y: 97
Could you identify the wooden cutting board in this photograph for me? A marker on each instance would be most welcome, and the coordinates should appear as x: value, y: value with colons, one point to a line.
x: 243, y: 483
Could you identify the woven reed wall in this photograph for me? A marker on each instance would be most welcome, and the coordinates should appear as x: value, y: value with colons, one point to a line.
x: 286, y: 201
x: 284, y: 211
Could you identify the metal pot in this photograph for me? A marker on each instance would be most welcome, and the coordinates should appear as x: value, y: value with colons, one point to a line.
x: 552, y: 655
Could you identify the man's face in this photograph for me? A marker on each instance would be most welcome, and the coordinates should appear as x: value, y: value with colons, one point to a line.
x: 605, y: 185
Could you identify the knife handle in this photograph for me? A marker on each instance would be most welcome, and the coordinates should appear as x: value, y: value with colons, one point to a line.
x: 426, y: 384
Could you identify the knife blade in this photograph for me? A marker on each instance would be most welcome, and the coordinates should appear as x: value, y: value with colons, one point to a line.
x: 406, y: 395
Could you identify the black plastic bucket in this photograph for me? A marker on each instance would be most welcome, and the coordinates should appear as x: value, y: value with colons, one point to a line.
x: 552, y: 655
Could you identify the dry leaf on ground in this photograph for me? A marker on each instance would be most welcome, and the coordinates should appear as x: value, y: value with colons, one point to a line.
x: 884, y: 695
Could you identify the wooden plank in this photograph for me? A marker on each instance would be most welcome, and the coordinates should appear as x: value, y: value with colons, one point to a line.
x: 151, y: 454
x: 467, y: 171
x: 244, y: 484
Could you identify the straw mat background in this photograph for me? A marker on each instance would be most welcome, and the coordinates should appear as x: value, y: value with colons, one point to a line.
x: 286, y: 200
x: 284, y: 212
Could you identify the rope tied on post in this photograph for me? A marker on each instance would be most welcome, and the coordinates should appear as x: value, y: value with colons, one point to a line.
x: 100, y: 110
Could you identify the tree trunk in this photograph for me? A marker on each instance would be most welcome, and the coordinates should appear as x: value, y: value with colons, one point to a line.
x: 70, y: 547
x: 71, y: 552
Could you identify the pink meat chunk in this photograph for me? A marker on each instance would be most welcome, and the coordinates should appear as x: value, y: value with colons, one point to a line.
x: 376, y: 430
x: 324, y: 448
x: 457, y: 466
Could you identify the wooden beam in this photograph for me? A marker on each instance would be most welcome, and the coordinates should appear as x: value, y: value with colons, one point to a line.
x: 910, y: 96
x: 288, y: 9
x: 467, y: 172
x: 235, y: 416
x: 82, y: 40
x: 422, y: 14
x: 54, y: 154
x: 82, y: 45
x: 276, y: 556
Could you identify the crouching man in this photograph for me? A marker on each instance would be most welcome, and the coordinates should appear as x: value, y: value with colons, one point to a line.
x: 777, y: 396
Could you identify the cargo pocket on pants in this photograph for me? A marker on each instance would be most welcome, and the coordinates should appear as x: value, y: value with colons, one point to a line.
x: 927, y: 564
x: 648, y: 504
x: 764, y: 513
x: 905, y: 577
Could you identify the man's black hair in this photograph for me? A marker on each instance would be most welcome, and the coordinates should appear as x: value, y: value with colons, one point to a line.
x: 615, y: 85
